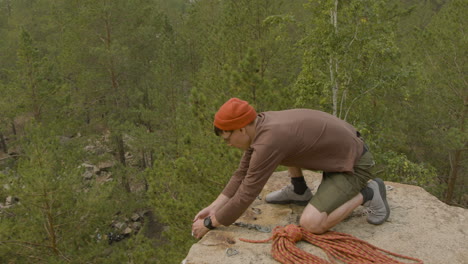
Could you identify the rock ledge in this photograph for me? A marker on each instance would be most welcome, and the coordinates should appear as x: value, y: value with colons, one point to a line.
x: 419, y: 226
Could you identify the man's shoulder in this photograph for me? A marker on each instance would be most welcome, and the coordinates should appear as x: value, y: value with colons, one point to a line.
x: 292, y: 114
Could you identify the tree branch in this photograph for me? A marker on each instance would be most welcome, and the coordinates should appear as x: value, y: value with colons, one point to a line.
x: 357, y: 97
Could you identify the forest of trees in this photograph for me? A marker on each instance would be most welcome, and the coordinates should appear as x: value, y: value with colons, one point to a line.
x: 135, y: 84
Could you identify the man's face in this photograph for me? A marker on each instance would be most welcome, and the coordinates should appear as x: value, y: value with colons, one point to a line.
x: 236, y: 138
x: 226, y: 135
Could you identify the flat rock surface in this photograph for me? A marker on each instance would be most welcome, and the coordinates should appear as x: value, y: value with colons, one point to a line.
x: 419, y: 226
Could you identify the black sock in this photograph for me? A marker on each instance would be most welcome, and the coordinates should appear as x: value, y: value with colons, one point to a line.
x: 367, y: 193
x: 300, y: 185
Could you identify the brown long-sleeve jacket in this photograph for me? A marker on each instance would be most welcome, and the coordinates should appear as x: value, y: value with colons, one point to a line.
x: 302, y: 138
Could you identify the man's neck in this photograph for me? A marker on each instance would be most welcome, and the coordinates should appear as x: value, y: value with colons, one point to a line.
x: 251, y: 130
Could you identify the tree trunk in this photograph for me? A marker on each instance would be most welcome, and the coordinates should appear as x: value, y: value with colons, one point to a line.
x: 13, y: 128
x: 120, y: 148
x: 111, y: 63
x: 334, y: 84
x: 8, y: 7
x: 151, y: 157
x: 455, y: 164
x: 334, y: 62
x: 454, y: 168
x: 50, y: 225
x: 143, y: 160
x: 3, y: 144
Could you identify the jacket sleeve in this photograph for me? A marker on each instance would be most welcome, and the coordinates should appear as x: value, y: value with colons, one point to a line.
x: 239, y: 174
x: 260, y: 169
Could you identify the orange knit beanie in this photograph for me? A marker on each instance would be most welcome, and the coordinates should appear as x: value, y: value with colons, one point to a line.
x: 234, y: 114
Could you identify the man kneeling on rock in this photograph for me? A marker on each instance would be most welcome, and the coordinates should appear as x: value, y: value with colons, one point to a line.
x: 299, y: 139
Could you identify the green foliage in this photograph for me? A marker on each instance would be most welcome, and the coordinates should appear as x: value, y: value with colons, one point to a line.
x: 438, y: 113
x: 251, y: 46
x: 180, y: 185
x: 59, y: 213
x: 347, y: 62
x: 145, y: 78
x: 47, y: 186
x: 36, y: 82
x: 399, y: 168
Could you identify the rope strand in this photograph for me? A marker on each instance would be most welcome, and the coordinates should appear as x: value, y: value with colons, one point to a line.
x: 337, y: 246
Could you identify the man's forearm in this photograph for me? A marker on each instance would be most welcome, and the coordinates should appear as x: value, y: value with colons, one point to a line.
x: 219, y: 202
x: 216, y: 205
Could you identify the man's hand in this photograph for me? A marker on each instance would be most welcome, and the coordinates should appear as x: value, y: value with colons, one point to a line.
x: 199, y: 229
x: 204, y: 213
x: 211, y: 210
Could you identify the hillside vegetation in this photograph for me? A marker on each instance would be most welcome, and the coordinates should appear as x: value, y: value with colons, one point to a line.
x: 107, y: 148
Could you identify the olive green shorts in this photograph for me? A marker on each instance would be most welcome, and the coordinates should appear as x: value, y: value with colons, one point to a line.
x: 337, y: 188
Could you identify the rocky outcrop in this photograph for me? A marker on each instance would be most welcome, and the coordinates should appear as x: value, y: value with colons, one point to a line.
x: 419, y: 226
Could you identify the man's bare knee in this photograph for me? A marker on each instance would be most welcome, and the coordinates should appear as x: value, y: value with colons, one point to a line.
x: 315, y: 228
x: 313, y: 220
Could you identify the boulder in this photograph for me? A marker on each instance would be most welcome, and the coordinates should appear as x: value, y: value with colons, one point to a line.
x: 135, y: 217
x: 90, y: 168
x: 419, y: 226
x: 103, y: 177
x: 106, y: 165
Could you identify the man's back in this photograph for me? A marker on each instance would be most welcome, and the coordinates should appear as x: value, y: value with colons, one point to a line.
x: 307, y: 139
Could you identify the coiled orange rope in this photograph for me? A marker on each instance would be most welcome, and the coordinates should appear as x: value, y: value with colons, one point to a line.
x: 336, y: 245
